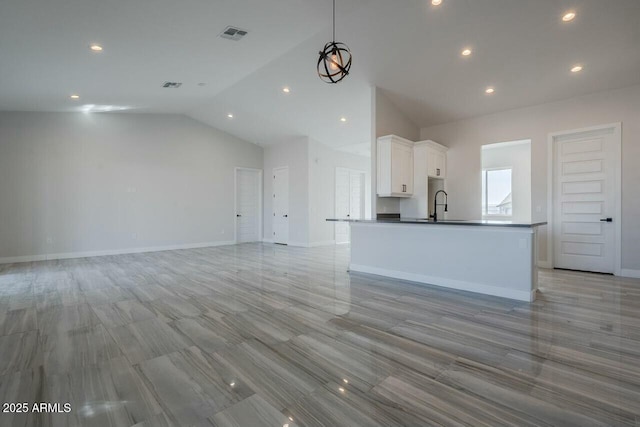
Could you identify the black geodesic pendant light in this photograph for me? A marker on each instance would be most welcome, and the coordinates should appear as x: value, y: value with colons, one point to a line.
x: 335, y: 59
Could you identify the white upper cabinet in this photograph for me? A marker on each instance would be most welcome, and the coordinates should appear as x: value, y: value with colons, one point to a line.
x: 395, y: 167
x: 436, y: 159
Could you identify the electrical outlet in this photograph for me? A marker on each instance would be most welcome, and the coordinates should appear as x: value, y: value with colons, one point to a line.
x: 222, y: 231
x: 538, y: 209
x: 49, y: 240
x: 134, y: 236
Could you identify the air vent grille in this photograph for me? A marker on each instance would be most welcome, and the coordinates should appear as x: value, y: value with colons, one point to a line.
x: 233, y: 33
x: 172, y: 85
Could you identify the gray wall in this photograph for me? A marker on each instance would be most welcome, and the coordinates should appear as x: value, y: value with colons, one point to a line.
x: 323, y: 161
x: 312, y: 168
x: 388, y: 120
x: 464, y: 139
x: 518, y: 158
x: 76, y: 183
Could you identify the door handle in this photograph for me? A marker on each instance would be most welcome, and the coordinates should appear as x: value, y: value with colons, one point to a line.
x: 285, y: 216
x: 606, y: 220
x: 238, y: 215
x: 437, y: 172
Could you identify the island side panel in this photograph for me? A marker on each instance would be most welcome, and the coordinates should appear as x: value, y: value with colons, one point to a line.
x: 488, y: 260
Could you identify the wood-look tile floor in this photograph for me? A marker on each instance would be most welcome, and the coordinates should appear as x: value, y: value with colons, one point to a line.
x: 264, y: 335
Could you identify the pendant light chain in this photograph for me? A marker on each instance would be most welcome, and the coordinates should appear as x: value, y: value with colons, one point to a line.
x: 334, y: 20
x: 335, y: 58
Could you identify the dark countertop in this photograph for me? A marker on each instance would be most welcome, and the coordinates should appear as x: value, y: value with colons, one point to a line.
x: 424, y: 221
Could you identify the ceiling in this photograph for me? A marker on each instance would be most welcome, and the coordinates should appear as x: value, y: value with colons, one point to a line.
x: 410, y: 49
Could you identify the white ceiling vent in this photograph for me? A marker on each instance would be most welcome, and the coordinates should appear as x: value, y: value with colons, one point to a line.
x: 172, y: 85
x: 233, y: 33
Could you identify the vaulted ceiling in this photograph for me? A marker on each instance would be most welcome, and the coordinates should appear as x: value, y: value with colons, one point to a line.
x: 410, y: 49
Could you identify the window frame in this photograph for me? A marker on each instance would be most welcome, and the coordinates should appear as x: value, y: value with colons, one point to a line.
x: 485, y: 193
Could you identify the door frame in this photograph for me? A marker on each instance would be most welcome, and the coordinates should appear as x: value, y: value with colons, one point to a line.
x: 617, y: 177
x: 273, y: 172
x: 235, y: 202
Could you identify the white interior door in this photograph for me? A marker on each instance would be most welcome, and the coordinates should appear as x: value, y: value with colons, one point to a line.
x: 281, y: 205
x: 248, y: 207
x: 585, y: 199
x: 350, y: 187
x: 356, y: 195
x: 342, y: 204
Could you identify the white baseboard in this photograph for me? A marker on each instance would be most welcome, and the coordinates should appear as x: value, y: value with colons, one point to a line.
x: 325, y: 243
x: 448, y: 283
x: 627, y: 272
x: 298, y: 244
x: 68, y: 255
x: 305, y: 245
x: 544, y: 264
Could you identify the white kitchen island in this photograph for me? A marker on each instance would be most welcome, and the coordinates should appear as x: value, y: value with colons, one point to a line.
x: 488, y: 257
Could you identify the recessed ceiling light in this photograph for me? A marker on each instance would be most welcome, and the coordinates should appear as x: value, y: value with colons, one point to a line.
x: 343, y: 119
x: 466, y: 52
x: 436, y: 2
x: 576, y: 69
x: 568, y: 16
x: 489, y: 90
x: 95, y: 47
x: 230, y: 115
x: 75, y: 96
x: 286, y: 89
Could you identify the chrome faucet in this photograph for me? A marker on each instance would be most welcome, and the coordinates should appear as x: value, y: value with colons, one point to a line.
x: 435, y: 204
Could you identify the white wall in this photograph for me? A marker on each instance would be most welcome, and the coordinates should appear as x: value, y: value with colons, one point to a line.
x: 323, y: 162
x: 295, y: 155
x: 517, y: 157
x: 464, y: 139
x: 312, y: 168
x: 388, y: 120
x: 77, y: 183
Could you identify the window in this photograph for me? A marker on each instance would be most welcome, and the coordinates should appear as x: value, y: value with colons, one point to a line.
x: 496, y: 191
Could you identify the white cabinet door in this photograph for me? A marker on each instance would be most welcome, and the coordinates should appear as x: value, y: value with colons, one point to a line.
x: 441, y: 164
x: 407, y: 170
x: 401, y: 169
x: 431, y: 162
x: 398, y: 154
x: 436, y: 163
x: 395, y: 167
